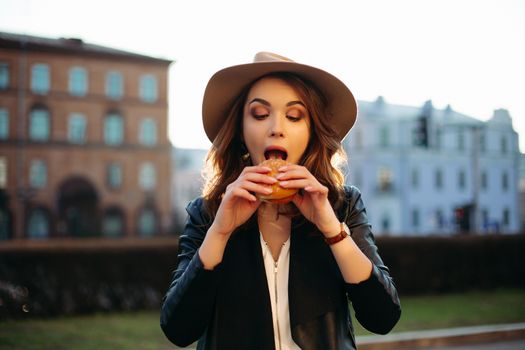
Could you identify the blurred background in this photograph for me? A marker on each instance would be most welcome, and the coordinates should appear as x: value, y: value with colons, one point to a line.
x: 102, y: 147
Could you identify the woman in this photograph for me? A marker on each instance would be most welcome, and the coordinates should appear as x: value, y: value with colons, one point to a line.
x: 255, y: 275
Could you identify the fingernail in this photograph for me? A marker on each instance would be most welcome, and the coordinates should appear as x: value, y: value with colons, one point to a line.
x: 283, y: 183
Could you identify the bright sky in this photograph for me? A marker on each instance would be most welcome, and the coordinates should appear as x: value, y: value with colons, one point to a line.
x: 470, y: 54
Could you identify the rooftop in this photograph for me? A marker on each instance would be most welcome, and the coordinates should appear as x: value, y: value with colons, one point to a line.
x: 69, y: 46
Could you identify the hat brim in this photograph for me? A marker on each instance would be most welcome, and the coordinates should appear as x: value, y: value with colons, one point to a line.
x: 226, y: 85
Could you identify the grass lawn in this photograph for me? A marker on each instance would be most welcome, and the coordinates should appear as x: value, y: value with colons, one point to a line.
x: 141, y: 331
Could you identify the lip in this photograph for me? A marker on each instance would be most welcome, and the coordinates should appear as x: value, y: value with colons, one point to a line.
x: 276, y: 148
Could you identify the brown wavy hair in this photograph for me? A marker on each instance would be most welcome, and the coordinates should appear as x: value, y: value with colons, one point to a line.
x: 323, y: 155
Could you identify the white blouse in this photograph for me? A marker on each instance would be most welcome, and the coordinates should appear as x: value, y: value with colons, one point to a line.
x: 277, y: 277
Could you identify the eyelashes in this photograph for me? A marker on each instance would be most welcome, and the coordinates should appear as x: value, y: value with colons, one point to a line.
x: 261, y: 115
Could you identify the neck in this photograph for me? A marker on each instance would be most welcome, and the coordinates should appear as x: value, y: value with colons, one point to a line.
x: 275, y: 228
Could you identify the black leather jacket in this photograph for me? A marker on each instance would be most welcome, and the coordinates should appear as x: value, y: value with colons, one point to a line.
x: 229, y: 307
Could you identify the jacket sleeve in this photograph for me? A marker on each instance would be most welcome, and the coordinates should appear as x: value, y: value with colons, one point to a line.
x: 375, y: 300
x: 188, y: 304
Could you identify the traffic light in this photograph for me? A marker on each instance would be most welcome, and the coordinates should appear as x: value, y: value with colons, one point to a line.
x: 421, y: 131
x: 462, y: 215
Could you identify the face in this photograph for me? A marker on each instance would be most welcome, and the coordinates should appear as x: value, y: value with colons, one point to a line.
x: 275, y: 120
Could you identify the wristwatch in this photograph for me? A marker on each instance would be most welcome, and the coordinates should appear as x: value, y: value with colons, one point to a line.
x: 345, y: 232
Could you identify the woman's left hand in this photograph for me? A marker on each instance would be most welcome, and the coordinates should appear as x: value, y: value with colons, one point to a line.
x: 313, y: 203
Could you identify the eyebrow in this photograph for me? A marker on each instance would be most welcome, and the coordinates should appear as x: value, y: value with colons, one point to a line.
x: 266, y: 103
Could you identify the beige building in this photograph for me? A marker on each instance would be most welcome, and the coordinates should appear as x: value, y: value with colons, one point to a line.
x: 83, y: 140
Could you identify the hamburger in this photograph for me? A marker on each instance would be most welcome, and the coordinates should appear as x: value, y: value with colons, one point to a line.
x: 279, y: 195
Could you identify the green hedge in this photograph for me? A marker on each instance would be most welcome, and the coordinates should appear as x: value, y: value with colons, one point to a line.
x: 47, y: 282
x: 454, y: 264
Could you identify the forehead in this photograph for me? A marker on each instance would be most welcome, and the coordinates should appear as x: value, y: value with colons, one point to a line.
x: 272, y: 87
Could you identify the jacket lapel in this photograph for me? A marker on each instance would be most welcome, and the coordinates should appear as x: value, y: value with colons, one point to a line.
x: 244, y: 297
x: 311, y: 288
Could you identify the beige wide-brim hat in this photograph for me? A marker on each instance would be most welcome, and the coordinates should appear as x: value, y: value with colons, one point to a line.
x: 227, y: 84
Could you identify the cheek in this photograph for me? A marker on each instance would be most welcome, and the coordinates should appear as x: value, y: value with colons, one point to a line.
x: 251, y: 135
x: 302, y: 136
x: 247, y: 130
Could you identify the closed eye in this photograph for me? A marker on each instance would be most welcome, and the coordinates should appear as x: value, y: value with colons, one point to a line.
x: 260, y: 116
x: 294, y: 118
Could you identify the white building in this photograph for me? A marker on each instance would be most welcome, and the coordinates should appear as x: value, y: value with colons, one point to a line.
x: 421, y: 169
x: 187, y: 180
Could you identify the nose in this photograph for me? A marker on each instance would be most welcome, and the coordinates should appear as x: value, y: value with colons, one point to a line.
x: 277, y: 127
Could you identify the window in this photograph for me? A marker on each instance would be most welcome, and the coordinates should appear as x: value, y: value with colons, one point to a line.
x: 438, y: 179
x: 77, y: 128
x: 147, y: 176
x: 78, y: 81
x: 439, y: 136
x: 148, y: 88
x: 39, y: 125
x: 414, y: 178
x: 384, y: 137
x: 40, y: 78
x: 506, y: 217
x: 461, y: 140
x: 38, y: 174
x: 114, y: 85
x: 114, y: 176
x: 485, y: 217
x: 113, y: 129
x: 503, y: 145
x: 38, y: 224
x: 113, y: 223
x: 147, y: 222
x: 4, y: 124
x: 385, y: 180
x: 3, y: 172
x: 461, y: 180
x: 484, y: 180
x: 385, y: 223
x: 415, y: 218
x: 505, y: 181
x: 482, y: 143
x: 440, y: 219
x: 4, y: 75
x: 148, y: 132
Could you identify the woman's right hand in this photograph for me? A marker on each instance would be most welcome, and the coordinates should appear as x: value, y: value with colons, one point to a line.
x: 239, y: 202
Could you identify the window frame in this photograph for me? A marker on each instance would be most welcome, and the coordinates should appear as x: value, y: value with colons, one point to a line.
x: 108, y: 85
x: 148, y: 88
x: 78, y: 81
x: 40, y: 78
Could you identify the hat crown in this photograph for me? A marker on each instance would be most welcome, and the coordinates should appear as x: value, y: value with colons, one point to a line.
x: 265, y: 56
x: 226, y: 85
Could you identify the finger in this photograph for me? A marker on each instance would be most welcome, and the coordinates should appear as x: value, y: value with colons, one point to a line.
x: 255, y: 187
x: 294, y: 174
x: 244, y: 194
x: 290, y: 166
x: 297, y: 183
x: 256, y: 169
x: 257, y: 177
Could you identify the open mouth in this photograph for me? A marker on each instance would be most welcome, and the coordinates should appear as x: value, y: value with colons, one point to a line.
x: 275, y: 152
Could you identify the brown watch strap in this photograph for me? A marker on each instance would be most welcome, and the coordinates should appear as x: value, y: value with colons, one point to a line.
x: 337, y: 238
